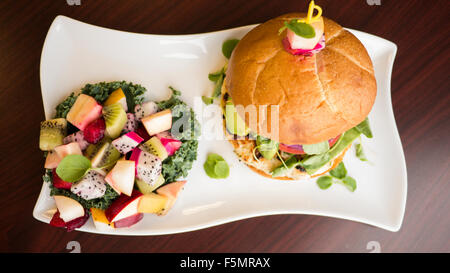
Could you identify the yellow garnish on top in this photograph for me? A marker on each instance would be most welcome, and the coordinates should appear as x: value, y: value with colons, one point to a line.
x: 309, y: 17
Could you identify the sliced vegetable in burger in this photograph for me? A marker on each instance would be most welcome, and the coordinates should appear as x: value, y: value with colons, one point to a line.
x: 112, y: 155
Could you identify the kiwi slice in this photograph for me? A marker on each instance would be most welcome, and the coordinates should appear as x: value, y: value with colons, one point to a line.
x: 102, y: 154
x: 154, y: 146
x: 115, y: 119
x: 52, y: 133
x: 145, y: 188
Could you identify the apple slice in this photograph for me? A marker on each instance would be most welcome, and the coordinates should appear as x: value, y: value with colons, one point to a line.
x: 84, y: 111
x: 72, y: 148
x: 100, y: 220
x: 128, y: 221
x: 123, y: 207
x: 52, y: 160
x: 158, y: 122
x: 121, y: 177
x: 170, y: 191
x: 57, y: 221
x: 152, y: 203
x: 69, y: 209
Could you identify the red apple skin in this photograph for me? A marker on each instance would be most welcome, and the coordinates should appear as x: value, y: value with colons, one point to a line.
x: 128, y: 221
x: 57, y: 221
x: 59, y: 183
x: 78, y: 222
x: 71, y: 225
x: 120, y: 203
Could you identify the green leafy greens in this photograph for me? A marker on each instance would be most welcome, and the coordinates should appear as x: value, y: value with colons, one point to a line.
x: 180, y: 163
x: 73, y: 167
x: 219, y: 76
x: 314, y: 149
x: 337, y: 175
x: 216, y: 167
x: 228, y: 47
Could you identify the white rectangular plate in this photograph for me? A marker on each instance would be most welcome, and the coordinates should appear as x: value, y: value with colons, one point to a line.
x: 76, y: 53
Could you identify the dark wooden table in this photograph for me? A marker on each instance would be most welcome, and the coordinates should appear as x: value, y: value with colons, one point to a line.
x: 420, y: 95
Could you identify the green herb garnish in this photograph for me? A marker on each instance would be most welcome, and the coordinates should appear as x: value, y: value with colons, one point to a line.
x: 339, y: 172
x: 228, y: 47
x: 216, y: 167
x: 73, y: 167
x: 324, y: 182
x: 338, y: 175
x: 299, y: 28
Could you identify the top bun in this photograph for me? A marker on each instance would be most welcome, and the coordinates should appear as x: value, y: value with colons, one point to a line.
x: 318, y: 97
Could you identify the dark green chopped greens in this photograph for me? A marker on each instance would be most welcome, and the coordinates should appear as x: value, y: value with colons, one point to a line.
x: 100, y: 91
x: 64, y: 107
x: 180, y: 163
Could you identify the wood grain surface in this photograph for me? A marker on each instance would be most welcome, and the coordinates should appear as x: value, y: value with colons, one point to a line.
x: 420, y: 96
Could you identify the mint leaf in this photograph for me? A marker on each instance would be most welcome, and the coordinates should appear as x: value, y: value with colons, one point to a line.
x: 228, y: 46
x: 360, y: 152
x: 350, y: 183
x: 324, y: 182
x: 315, y: 149
x: 364, y: 128
x: 339, y: 172
x: 73, y: 167
x: 301, y: 29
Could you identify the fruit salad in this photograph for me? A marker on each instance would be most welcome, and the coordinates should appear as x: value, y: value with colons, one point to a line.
x: 113, y: 156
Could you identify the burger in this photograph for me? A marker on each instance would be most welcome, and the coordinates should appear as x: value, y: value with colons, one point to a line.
x: 295, y: 99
